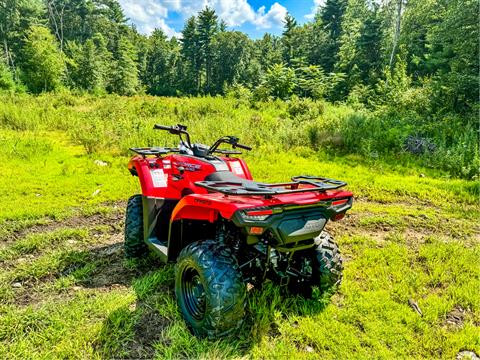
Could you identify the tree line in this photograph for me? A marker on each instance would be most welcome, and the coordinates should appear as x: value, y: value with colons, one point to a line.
x: 352, y: 50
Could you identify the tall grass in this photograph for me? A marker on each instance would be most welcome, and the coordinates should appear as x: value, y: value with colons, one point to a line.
x: 114, y: 124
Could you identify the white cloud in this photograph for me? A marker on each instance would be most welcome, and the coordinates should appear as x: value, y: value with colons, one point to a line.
x: 150, y: 14
x: 274, y: 16
x: 316, y: 5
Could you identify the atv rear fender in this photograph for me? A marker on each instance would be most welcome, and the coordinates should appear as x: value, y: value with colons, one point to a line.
x: 290, y: 221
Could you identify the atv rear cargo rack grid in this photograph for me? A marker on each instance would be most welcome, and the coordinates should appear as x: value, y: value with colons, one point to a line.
x: 247, y: 187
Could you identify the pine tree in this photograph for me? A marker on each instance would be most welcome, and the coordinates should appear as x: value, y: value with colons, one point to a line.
x: 269, y: 50
x: 207, y: 28
x: 162, y: 58
x: 90, y: 74
x: 191, y: 55
x: 454, y: 56
x: 16, y: 17
x: 369, y: 57
x: 352, y: 24
x: 329, y: 19
x: 124, y: 80
x: 289, y: 26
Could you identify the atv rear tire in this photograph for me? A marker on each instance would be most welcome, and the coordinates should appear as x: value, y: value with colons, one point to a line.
x: 134, y: 245
x: 209, y: 289
x: 326, y: 266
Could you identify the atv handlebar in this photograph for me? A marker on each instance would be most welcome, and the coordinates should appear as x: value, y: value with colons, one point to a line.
x: 244, y: 147
x: 162, y: 127
x: 175, y: 130
x: 182, y: 129
x: 231, y: 140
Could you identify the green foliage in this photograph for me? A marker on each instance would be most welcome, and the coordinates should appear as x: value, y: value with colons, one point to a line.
x: 119, y: 123
x: 191, y: 55
x: 88, y: 64
x: 455, y: 54
x: 288, y: 39
x: 340, y: 55
x: 44, y: 67
x: 233, y: 53
x: 124, y: 72
x: 279, y: 81
x: 160, y: 75
x: 6, y: 78
x: 329, y: 20
x: 207, y: 27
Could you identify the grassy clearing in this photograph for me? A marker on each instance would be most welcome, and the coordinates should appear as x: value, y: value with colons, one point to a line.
x: 66, y: 290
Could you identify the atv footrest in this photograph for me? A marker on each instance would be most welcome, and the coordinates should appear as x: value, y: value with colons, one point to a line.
x: 159, y: 248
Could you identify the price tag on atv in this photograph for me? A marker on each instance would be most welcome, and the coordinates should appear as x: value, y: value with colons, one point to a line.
x: 237, y: 168
x: 159, y: 179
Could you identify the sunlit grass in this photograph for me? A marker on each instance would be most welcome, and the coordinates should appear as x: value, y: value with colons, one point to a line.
x: 67, y: 292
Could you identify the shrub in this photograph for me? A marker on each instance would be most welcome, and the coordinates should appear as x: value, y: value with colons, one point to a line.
x: 6, y: 78
x: 304, y: 109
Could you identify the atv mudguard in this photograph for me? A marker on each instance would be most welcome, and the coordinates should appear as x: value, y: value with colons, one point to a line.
x: 207, y: 209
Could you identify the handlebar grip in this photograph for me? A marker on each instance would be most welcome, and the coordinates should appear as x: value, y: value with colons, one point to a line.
x: 162, y: 127
x: 244, y: 147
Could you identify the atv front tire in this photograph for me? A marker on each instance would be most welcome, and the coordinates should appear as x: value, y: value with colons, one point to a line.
x: 325, y: 263
x: 209, y: 289
x: 134, y: 245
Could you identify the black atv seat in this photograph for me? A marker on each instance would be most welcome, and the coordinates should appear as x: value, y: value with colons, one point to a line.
x: 228, y: 176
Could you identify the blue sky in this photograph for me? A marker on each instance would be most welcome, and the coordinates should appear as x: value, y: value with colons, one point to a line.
x: 254, y: 17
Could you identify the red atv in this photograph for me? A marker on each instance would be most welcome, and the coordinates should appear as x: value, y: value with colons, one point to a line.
x: 201, y: 209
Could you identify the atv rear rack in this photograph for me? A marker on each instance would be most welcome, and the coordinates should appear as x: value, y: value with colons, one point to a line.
x: 249, y: 188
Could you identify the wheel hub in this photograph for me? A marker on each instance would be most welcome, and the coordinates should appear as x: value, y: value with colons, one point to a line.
x: 193, y: 293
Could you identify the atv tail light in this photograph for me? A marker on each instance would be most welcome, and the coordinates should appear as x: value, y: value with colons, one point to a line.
x: 259, y: 212
x: 339, y: 202
x: 257, y: 215
x: 255, y: 230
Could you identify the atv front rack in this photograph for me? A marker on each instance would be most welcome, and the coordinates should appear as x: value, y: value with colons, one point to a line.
x: 247, y: 187
x: 154, y: 151
x: 158, y: 151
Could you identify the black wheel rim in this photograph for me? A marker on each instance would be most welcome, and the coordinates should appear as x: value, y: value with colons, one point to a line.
x: 193, y: 293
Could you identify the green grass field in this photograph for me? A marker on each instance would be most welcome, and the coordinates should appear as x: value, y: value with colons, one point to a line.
x: 66, y: 291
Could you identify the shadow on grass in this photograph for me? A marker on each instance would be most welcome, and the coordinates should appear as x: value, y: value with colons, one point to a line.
x: 153, y: 327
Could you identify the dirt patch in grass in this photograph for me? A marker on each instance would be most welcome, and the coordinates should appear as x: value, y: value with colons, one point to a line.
x: 412, y: 232
x: 112, y: 271
x: 148, y: 331
x: 46, y: 225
